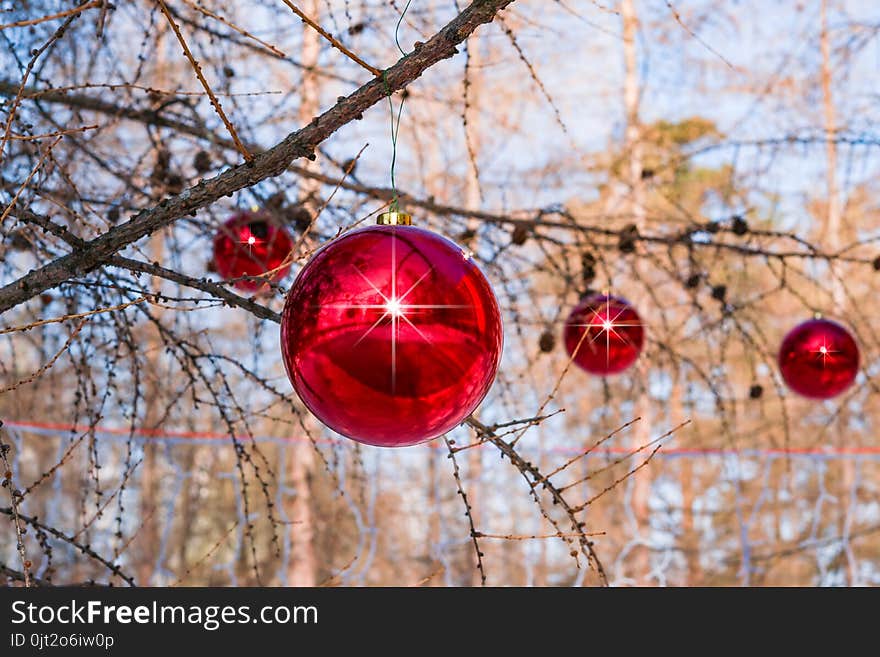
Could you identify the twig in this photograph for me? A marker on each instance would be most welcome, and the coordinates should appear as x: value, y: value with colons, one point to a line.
x: 696, y: 36
x: 47, y: 366
x: 614, y: 484
x: 100, y: 511
x: 623, y: 458
x: 427, y: 579
x: 64, y: 458
x: 528, y: 470
x: 208, y: 554
x: 587, y: 451
x: 13, y: 511
x: 334, y: 41
x: 63, y: 14
x: 533, y: 74
x: 468, y: 512
x: 65, y: 318
x: 527, y: 537
x: 207, y: 12
x: 198, y: 71
x: 85, y: 549
x: 28, y: 179
x: 56, y: 133
x: 35, y: 55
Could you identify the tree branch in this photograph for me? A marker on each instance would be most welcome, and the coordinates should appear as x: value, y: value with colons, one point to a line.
x: 264, y: 165
x: 527, y: 219
x: 211, y: 288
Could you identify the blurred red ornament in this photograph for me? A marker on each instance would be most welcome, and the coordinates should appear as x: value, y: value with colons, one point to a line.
x: 249, y: 244
x: 391, y: 335
x: 819, y: 359
x: 604, y: 334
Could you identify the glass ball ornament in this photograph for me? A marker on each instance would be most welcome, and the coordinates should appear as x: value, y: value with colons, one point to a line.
x: 391, y: 335
x: 250, y: 244
x: 603, y: 334
x: 819, y: 359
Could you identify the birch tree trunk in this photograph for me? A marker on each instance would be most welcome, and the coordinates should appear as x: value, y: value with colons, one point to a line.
x: 303, y: 567
x: 636, y: 204
x: 472, y: 202
x: 150, y: 489
x: 833, y: 229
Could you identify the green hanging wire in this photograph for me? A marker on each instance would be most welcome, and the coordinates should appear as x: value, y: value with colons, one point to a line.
x: 395, y: 123
x: 397, y: 28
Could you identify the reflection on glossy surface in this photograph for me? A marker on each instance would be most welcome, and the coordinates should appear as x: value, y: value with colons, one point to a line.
x: 249, y: 244
x: 819, y: 359
x: 614, y: 334
x: 391, y: 335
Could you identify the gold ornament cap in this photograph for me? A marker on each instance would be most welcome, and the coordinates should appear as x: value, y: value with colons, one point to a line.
x: 394, y: 219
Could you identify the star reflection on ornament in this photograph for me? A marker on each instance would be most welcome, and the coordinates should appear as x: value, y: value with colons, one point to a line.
x: 824, y: 352
x: 389, y: 336
x: 393, y: 308
x: 819, y: 359
x: 604, y: 334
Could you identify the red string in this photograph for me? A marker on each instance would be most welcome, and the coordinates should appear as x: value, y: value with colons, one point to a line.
x: 668, y: 451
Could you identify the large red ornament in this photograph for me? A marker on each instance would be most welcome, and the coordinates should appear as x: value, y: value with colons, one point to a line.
x: 249, y: 244
x: 604, y: 334
x: 391, y: 335
x: 819, y: 359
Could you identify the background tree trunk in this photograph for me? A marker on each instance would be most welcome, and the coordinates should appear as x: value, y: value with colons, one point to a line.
x: 303, y: 564
x: 641, y: 483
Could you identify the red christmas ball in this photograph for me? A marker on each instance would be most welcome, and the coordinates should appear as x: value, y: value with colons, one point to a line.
x: 819, y: 359
x: 604, y: 334
x: 249, y: 244
x: 391, y: 335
